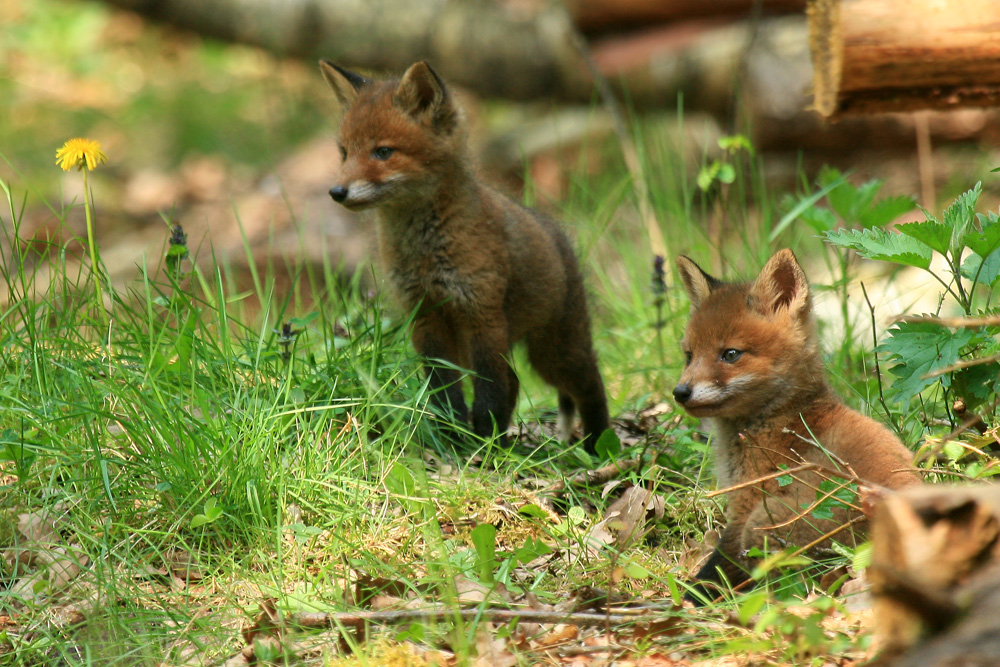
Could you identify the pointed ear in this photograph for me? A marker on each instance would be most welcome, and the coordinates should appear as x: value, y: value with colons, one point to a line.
x: 421, y: 94
x: 697, y: 283
x: 781, y: 284
x: 345, y: 84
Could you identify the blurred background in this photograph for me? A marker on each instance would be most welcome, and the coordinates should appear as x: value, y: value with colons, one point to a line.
x: 214, y: 115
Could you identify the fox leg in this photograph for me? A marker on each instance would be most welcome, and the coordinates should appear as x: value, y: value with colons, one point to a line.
x: 492, y: 401
x: 513, y: 386
x: 433, y: 339
x: 567, y: 412
x: 591, y: 401
x: 569, y: 364
x: 725, y: 564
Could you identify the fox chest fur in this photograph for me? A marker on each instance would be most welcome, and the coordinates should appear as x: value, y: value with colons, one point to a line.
x: 424, y: 268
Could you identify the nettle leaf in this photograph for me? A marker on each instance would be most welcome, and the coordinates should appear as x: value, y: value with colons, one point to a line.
x: 984, y: 238
x: 983, y: 272
x: 819, y: 218
x: 976, y: 383
x: 918, y: 348
x: 876, y: 243
x: 840, y: 197
x: 929, y: 232
x: 863, y: 198
x: 960, y: 214
x: 886, y: 210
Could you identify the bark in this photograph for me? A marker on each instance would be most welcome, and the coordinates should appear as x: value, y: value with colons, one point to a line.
x: 935, y: 575
x: 902, y: 55
x: 599, y: 15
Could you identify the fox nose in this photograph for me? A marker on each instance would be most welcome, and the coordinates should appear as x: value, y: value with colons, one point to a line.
x: 339, y: 193
x: 682, y: 393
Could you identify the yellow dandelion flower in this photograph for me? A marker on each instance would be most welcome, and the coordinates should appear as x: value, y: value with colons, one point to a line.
x: 80, y: 153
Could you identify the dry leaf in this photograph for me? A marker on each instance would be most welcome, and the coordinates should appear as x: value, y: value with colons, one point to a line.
x: 492, y: 651
x: 561, y: 633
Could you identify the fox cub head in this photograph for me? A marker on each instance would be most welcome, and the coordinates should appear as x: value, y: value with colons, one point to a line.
x: 397, y: 138
x: 749, y: 347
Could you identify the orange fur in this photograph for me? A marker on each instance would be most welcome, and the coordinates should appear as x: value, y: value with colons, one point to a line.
x: 755, y: 376
x: 481, y: 271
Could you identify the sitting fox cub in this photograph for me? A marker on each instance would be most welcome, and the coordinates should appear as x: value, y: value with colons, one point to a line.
x: 754, y: 375
x: 483, y: 271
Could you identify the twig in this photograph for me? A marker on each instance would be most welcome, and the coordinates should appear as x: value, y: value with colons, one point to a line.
x: 316, y: 620
x: 959, y: 365
x: 828, y: 535
x: 791, y: 471
x: 599, y: 476
x: 956, y: 322
x: 813, y: 506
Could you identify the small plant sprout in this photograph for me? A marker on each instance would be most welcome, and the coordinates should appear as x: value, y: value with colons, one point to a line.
x: 85, y: 155
x: 659, y: 287
x: 178, y: 251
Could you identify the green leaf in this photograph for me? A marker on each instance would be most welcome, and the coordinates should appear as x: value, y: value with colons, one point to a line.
x: 533, y: 548
x: 484, y: 539
x: 984, y: 238
x: 608, y: 445
x: 533, y: 511
x: 707, y: 174
x: 864, y: 196
x: 750, y: 605
x: 876, y: 243
x: 840, y: 195
x: 211, y: 513
x: 726, y: 173
x: 636, y: 571
x: 959, y: 216
x: 989, y: 271
x: 734, y: 143
x: 918, y: 348
x: 806, y: 204
x: 886, y: 210
x: 931, y: 233
x: 862, y: 557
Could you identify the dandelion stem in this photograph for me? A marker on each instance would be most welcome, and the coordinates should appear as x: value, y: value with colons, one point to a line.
x: 94, y: 266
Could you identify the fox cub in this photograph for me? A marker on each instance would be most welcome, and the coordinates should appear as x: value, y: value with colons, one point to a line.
x: 754, y: 375
x: 480, y: 271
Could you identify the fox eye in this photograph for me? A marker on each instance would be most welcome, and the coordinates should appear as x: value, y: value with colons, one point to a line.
x: 343, y: 152
x: 383, y: 152
x: 687, y: 358
x: 731, y: 355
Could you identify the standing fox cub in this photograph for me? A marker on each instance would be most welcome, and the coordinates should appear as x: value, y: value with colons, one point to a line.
x: 754, y: 375
x: 481, y: 271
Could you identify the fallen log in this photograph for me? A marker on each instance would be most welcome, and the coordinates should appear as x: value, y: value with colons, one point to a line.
x: 903, y: 55
x: 935, y: 575
x: 601, y: 15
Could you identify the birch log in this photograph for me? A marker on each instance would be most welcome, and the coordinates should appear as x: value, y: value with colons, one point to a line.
x: 903, y: 55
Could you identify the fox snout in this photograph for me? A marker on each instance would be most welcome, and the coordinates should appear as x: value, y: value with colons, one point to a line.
x: 682, y: 393
x: 338, y: 193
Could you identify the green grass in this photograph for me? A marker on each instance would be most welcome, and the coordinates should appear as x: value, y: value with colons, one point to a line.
x: 283, y: 464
